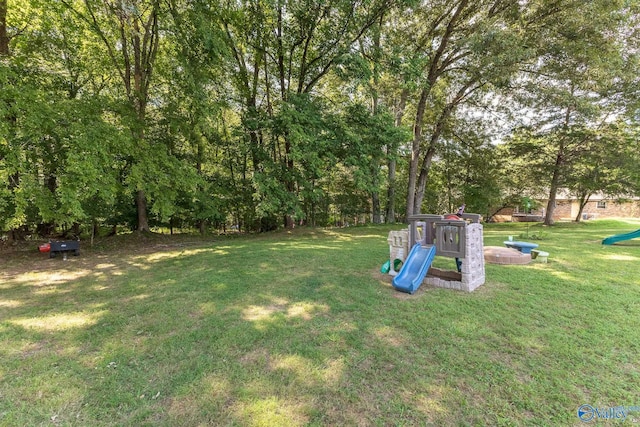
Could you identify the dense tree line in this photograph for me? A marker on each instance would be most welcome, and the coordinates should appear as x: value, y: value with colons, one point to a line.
x: 267, y: 113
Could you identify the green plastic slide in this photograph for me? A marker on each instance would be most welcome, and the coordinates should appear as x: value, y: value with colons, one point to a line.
x: 620, y: 237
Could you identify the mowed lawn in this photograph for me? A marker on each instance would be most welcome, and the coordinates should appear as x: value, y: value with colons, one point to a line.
x: 301, y: 328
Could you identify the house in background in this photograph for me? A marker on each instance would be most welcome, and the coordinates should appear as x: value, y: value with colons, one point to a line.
x: 598, y: 206
x: 567, y: 208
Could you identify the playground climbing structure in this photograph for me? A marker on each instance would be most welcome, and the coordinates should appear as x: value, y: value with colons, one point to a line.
x: 460, y: 238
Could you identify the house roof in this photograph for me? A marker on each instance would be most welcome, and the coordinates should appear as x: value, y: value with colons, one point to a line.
x: 564, y: 194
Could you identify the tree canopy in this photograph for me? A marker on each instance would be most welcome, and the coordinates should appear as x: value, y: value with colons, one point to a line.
x: 266, y: 114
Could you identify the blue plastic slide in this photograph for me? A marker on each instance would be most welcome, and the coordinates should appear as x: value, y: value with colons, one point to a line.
x: 414, y: 268
x: 620, y: 237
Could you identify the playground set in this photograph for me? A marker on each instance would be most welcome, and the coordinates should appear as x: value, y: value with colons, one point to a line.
x: 413, y: 250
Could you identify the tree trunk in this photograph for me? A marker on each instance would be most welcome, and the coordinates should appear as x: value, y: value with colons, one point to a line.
x: 375, y: 204
x: 422, y: 179
x: 289, y: 181
x: 4, y: 37
x: 435, y: 71
x: 289, y: 223
x: 415, y: 154
x: 426, y: 162
x: 141, y: 207
x: 391, y: 153
x: 583, y: 200
x: 94, y: 230
x: 557, y: 167
x: 390, y: 212
x: 466, y: 90
x: 375, y: 101
x: 553, y: 189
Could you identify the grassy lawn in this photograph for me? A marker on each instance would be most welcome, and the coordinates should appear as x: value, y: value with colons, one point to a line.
x: 301, y: 329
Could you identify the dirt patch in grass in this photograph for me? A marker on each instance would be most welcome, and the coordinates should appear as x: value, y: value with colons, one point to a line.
x: 23, y: 257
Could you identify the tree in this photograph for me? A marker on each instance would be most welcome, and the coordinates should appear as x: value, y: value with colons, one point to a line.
x: 573, y: 86
x: 130, y: 33
x: 145, y: 112
x: 450, y: 50
x: 282, y: 50
x: 368, y: 135
x: 53, y: 138
x: 607, y: 165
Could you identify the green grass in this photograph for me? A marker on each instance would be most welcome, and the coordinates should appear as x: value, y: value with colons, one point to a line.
x: 301, y: 329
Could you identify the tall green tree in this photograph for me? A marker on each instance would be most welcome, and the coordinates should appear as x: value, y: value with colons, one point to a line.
x: 573, y: 87
x: 282, y: 50
x: 263, y: 113
x: 130, y: 34
x: 607, y: 165
x: 450, y: 52
x: 50, y: 134
x: 369, y: 135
